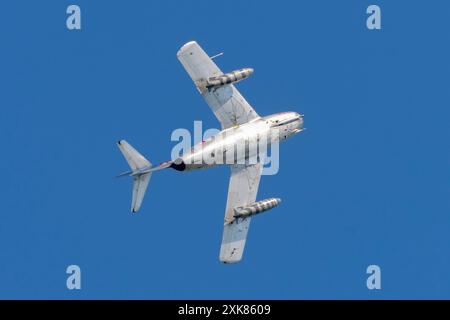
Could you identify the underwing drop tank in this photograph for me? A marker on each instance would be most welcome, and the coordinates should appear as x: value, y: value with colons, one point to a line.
x: 256, y: 208
x: 228, y: 78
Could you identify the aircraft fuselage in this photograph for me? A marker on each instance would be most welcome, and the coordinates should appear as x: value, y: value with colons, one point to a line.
x: 241, y: 144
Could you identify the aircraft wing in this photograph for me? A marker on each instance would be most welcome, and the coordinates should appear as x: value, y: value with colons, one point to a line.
x: 242, y: 191
x: 226, y: 102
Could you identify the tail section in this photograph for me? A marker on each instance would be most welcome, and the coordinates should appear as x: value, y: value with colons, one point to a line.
x: 140, y: 171
x: 136, y: 160
x: 140, y: 183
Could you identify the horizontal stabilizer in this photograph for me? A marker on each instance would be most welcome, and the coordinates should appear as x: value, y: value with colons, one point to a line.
x: 140, y: 184
x: 140, y: 171
x: 136, y: 160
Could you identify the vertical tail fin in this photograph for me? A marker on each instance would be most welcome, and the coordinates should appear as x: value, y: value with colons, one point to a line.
x: 141, y: 177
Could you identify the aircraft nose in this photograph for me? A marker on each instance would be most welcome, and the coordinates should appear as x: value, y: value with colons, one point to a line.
x: 300, y: 121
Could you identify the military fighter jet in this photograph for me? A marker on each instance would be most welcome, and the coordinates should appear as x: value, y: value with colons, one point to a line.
x: 240, y: 125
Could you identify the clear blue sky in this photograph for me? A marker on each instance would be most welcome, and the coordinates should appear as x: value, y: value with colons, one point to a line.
x: 367, y: 183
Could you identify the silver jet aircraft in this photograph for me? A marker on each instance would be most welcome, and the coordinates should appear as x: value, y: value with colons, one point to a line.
x: 242, y: 144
